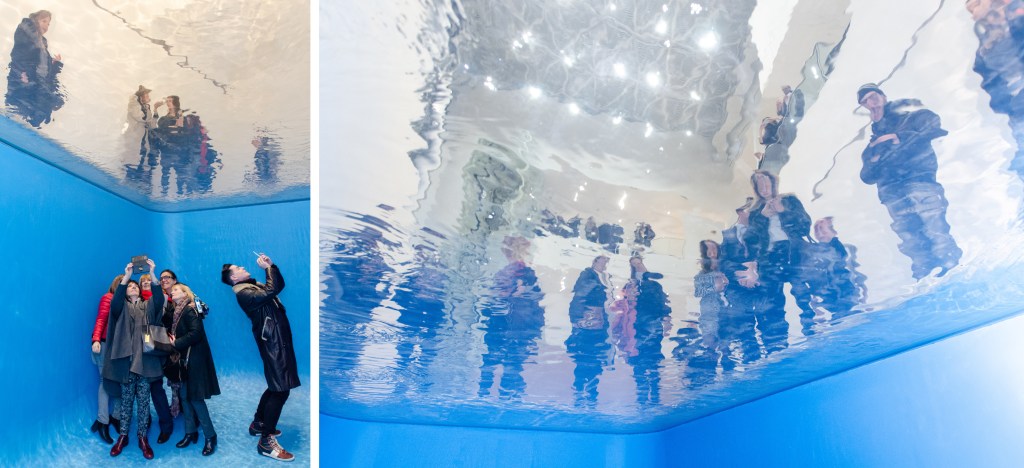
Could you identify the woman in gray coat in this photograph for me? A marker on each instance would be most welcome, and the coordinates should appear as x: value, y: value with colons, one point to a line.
x: 124, y: 360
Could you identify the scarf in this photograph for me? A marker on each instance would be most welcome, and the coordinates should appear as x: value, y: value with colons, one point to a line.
x: 175, y: 406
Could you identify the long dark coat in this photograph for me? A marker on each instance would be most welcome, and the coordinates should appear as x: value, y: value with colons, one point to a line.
x: 270, y: 329
x: 190, y: 342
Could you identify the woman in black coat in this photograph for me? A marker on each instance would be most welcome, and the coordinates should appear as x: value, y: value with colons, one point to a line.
x: 193, y: 350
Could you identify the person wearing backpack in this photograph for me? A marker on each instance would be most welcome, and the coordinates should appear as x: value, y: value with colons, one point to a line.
x: 273, y: 335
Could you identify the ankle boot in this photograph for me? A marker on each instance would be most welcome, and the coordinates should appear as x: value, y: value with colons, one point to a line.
x: 116, y: 423
x: 147, y: 451
x: 210, y: 447
x: 103, y: 430
x: 122, y: 441
x: 190, y: 438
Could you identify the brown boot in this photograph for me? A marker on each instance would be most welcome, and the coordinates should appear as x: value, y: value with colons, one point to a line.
x: 122, y: 441
x: 147, y: 451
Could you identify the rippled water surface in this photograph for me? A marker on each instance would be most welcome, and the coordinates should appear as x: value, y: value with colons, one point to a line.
x: 239, y: 69
x: 472, y: 183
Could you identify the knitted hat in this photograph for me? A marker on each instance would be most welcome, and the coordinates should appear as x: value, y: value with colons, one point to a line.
x: 867, y: 88
x: 142, y: 90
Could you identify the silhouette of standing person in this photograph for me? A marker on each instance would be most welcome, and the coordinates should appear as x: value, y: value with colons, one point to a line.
x: 32, y: 87
x: 588, y: 344
x: 900, y: 161
x: 513, y: 324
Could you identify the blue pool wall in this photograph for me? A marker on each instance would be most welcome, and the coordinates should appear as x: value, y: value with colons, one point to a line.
x: 953, y: 403
x: 67, y: 238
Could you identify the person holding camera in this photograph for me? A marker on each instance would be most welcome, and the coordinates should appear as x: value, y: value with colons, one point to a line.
x: 125, y: 360
x: 273, y: 335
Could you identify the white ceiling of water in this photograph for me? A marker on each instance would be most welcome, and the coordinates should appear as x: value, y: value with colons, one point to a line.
x: 242, y: 66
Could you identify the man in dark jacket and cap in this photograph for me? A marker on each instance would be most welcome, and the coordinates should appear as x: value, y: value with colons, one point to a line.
x: 901, y: 162
x: 273, y: 337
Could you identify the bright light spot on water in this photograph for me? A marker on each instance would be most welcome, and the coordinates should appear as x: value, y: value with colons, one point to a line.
x: 619, y: 70
x: 661, y: 27
x: 708, y: 42
x: 534, y: 92
x: 653, y: 79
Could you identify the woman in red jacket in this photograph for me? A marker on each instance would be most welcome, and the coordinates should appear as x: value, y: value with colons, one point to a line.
x: 99, y: 337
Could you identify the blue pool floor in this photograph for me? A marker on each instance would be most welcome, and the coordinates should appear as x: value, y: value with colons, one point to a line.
x: 231, y: 412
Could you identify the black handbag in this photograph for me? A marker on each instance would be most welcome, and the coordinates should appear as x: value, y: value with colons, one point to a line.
x: 177, y: 370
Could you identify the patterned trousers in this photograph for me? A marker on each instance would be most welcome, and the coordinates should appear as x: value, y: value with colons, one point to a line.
x: 135, y: 390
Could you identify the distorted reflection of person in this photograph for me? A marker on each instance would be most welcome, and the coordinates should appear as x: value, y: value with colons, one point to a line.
x: 900, y: 162
x: 588, y: 345
x: 140, y: 121
x: 1000, y: 63
x: 699, y: 362
x: 709, y: 286
x: 33, y: 90
x: 590, y: 229
x: 650, y: 326
x: 183, y: 144
x: 643, y: 235
x: 556, y: 224
x: 742, y: 303
x: 424, y: 311
x: 778, y: 228
x: 791, y: 104
x: 267, y: 160
x: 610, y: 236
x: 623, y: 319
x: 513, y: 323
x: 827, y: 269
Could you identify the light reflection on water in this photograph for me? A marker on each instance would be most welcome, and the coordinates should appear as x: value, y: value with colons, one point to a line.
x: 463, y: 295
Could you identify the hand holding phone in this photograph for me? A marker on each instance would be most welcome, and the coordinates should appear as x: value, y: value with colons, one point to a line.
x: 140, y: 263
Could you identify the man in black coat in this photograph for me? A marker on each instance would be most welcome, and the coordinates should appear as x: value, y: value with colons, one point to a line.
x: 900, y: 161
x: 273, y: 337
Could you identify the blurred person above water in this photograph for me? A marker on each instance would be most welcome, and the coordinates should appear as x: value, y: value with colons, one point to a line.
x: 32, y: 87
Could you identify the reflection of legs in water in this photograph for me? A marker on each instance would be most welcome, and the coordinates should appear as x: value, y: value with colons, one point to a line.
x: 512, y: 382
x: 647, y: 375
x: 587, y: 348
x: 770, y: 315
x: 736, y: 327
x: 167, y: 158
x: 491, y: 359
x: 919, y: 219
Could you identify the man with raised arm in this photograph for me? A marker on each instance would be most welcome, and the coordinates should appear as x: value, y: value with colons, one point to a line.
x: 273, y: 337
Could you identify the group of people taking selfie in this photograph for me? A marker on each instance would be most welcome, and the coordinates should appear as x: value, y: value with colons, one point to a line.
x: 145, y: 336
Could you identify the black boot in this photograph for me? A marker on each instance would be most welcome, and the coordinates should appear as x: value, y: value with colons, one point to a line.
x: 116, y: 423
x: 210, y: 447
x: 187, y: 440
x: 103, y: 430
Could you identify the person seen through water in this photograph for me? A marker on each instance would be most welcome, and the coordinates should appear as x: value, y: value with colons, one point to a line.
x: 513, y: 323
x: 900, y: 162
x: 588, y: 344
x: 32, y: 87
